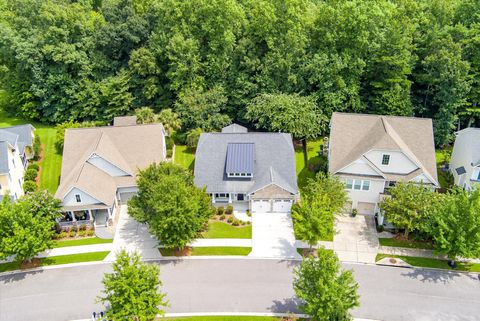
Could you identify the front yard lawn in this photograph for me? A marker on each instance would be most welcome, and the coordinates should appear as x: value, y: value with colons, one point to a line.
x: 212, y: 250
x: 405, y: 243
x: 51, y: 161
x: 432, y: 263
x: 220, y: 230
x: 61, y: 259
x: 184, y: 156
x: 82, y: 241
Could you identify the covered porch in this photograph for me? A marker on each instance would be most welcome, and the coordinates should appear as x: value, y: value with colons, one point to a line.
x: 92, y: 215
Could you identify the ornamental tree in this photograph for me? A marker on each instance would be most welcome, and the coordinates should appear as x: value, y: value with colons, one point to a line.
x: 455, y: 224
x: 132, y: 289
x: 328, y: 293
x: 175, y: 210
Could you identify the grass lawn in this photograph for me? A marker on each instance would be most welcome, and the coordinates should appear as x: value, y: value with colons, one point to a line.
x: 432, y: 263
x: 405, y: 243
x: 61, y: 259
x: 222, y: 318
x: 220, y: 230
x: 184, y: 156
x: 303, y: 173
x: 83, y: 241
x: 214, y: 250
x: 442, y: 177
x: 52, y: 161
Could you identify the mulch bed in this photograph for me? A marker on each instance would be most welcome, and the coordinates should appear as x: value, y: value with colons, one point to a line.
x: 34, y: 263
x: 309, y: 252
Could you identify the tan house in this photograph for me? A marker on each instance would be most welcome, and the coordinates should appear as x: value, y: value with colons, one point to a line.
x: 100, y: 164
x: 370, y: 153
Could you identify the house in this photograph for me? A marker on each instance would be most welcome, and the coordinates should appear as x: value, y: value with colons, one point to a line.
x: 16, y: 149
x: 465, y: 161
x: 253, y: 169
x: 99, y: 168
x: 370, y: 153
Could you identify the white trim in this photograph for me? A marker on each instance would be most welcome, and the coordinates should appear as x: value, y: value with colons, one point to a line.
x: 269, y: 184
x: 108, y: 161
x: 71, y: 188
x: 369, y: 163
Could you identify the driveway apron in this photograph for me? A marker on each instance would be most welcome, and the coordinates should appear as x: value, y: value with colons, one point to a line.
x: 272, y: 236
x: 356, y: 239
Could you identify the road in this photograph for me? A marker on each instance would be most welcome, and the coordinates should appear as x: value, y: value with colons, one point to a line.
x: 228, y: 285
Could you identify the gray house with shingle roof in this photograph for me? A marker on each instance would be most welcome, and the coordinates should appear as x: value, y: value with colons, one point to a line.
x: 465, y: 161
x: 253, y: 168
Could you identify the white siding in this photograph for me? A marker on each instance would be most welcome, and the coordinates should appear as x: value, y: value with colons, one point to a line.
x: 462, y: 156
x: 70, y: 199
x: 421, y: 178
x: 106, y: 166
x: 399, y: 162
x: 359, y: 167
x: 370, y: 196
x: 13, y: 181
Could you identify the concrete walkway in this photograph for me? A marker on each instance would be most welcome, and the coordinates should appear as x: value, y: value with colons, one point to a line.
x: 272, y: 236
x: 356, y: 240
x: 133, y: 236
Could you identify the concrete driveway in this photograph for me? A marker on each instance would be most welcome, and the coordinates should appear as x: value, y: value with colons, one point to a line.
x: 133, y: 236
x: 356, y: 239
x: 272, y: 236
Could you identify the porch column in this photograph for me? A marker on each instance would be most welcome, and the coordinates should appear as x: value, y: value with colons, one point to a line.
x: 109, y: 212
x: 90, y: 214
x: 229, y: 198
x: 74, y: 219
x: 213, y: 198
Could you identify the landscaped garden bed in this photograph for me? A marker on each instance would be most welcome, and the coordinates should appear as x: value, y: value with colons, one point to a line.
x: 203, y: 251
x: 225, y: 225
x: 74, y: 231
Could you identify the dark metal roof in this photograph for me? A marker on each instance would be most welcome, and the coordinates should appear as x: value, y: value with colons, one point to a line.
x: 240, y: 158
x: 461, y: 170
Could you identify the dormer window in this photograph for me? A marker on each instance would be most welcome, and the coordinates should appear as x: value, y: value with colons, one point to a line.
x: 78, y: 198
x: 385, y: 159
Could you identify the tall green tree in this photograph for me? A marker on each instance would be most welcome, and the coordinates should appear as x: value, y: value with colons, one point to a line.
x: 328, y: 293
x: 170, y: 120
x: 145, y: 115
x: 132, y: 290
x: 174, y: 215
x: 293, y: 114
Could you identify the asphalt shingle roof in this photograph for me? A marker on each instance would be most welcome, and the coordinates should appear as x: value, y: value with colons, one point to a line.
x: 17, y: 137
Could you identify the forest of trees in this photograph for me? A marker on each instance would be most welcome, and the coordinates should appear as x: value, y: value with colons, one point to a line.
x: 66, y: 60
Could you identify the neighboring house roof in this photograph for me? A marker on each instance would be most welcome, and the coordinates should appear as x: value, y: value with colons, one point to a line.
x: 128, y: 148
x: 353, y: 135
x: 469, y: 138
x: 274, y: 162
x: 234, y: 128
x: 125, y: 121
x: 16, y: 137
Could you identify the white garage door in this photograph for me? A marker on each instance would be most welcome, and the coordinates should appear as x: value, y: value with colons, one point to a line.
x: 282, y: 206
x: 124, y: 197
x: 260, y: 205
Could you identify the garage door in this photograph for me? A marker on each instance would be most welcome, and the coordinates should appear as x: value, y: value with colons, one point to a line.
x: 282, y: 206
x: 261, y: 206
x: 366, y: 208
x: 124, y: 197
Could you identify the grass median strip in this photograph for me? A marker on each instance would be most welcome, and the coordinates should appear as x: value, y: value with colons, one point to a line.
x: 78, y: 242
x: 210, y: 250
x: 222, y: 318
x: 220, y: 230
x: 432, y: 263
x: 57, y: 260
x: 405, y: 243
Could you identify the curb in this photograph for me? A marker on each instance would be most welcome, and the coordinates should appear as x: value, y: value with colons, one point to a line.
x: 432, y: 269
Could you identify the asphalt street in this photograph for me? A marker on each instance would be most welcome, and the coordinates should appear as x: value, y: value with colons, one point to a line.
x: 238, y: 285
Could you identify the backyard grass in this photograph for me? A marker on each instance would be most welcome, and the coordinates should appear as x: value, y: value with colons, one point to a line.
x: 83, y: 241
x: 432, y: 263
x: 220, y: 230
x: 61, y: 259
x: 51, y: 162
x: 222, y: 318
x: 442, y: 177
x: 184, y: 156
x: 405, y: 243
x: 303, y: 173
x: 213, y: 250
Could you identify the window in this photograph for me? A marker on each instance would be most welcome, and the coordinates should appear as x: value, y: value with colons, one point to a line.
x: 357, y: 184
x: 78, y: 198
x: 243, y: 174
x: 365, y: 185
x: 385, y: 159
x: 349, y: 183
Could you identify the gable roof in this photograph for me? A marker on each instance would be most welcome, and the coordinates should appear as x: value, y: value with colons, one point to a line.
x: 129, y: 148
x: 470, y: 138
x: 234, y: 128
x: 18, y: 136
x: 274, y: 162
x: 353, y: 135
x: 4, y: 168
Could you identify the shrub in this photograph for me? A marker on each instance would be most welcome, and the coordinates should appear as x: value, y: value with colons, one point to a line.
x: 74, y: 228
x: 220, y: 210
x: 33, y: 166
x: 72, y: 233
x: 30, y: 174
x: 82, y: 227
x: 354, y: 212
x: 230, y: 219
x: 242, y: 223
x: 380, y: 228
x: 249, y: 214
x: 29, y: 186
x: 229, y: 209
x: 236, y: 223
x: 89, y: 232
x: 222, y: 217
x: 67, y: 229
x: 63, y: 235
x: 37, y: 147
x: 248, y: 222
x: 81, y: 233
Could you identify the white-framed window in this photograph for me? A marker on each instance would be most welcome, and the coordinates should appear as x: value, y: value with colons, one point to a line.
x: 349, y: 183
x: 365, y: 185
x: 78, y: 198
x: 221, y: 195
x: 357, y: 184
x: 385, y: 159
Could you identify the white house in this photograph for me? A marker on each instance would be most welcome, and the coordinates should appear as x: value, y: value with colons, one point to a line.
x: 465, y: 161
x: 100, y: 164
x: 16, y: 148
x: 370, y: 153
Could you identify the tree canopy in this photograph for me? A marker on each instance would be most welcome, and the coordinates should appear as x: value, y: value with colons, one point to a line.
x: 209, y: 60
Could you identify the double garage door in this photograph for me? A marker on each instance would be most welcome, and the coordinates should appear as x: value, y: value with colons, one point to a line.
x: 280, y: 205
